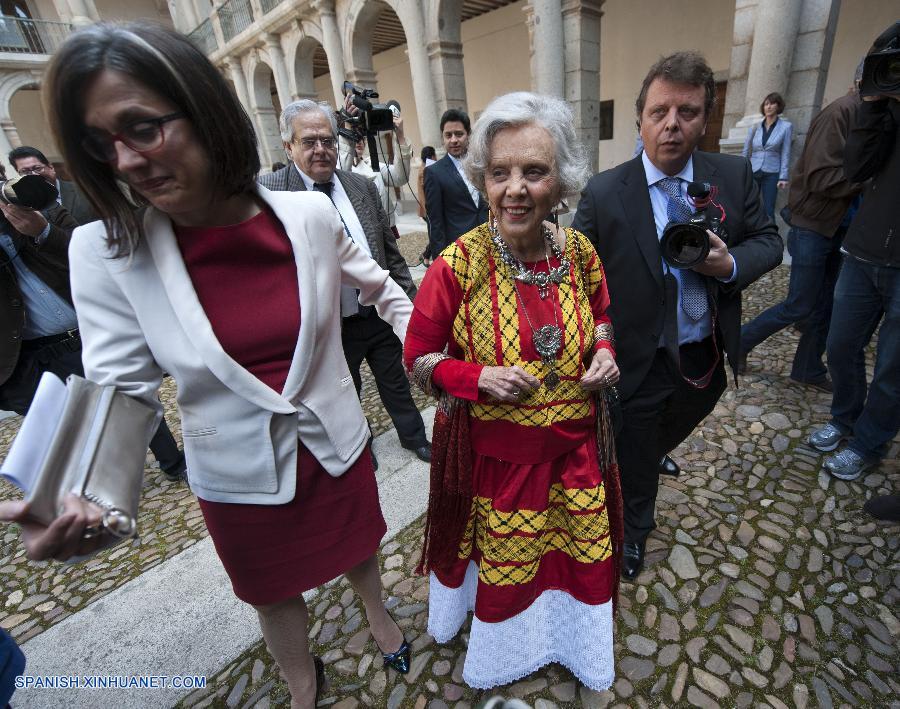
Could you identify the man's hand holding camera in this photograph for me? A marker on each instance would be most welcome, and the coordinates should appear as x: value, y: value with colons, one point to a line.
x: 25, y: 221
x: 719, y: 263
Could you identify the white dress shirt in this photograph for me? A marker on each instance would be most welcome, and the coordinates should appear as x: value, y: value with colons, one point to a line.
x: 476, y: 196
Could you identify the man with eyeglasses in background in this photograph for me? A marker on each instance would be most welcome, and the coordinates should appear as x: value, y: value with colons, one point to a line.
x: 36, y: 305
x: 27, y: 160
x: 309, y: 132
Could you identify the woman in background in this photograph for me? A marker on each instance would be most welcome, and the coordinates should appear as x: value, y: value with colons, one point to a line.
x: 768, y: 146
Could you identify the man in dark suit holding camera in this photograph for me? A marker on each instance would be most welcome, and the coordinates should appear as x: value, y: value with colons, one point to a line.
x: 672, y: 326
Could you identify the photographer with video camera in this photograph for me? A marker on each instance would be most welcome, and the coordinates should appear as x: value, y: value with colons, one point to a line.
x: 869, y: 283
x: 675, y: 310
x: 353, y: 148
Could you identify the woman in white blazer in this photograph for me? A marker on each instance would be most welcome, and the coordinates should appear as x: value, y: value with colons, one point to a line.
x: 234, y: 291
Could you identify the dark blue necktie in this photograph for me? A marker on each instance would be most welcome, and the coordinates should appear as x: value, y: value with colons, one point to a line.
x: 693, y: 291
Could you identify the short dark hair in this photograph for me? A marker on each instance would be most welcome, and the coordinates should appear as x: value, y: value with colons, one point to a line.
x: 775, y: 98
x: 681, y: 68
x: 168, y: 64
x: 454, y: 114
x: 26, y: 151
x: 428, y: 152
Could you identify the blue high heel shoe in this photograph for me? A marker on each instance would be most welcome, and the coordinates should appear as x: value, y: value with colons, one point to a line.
x: 400, y: 659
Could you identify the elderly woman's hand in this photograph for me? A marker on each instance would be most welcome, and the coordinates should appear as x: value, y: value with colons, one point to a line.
x: 509, y: 384
x: 64, y: 538
x: 603, y: 372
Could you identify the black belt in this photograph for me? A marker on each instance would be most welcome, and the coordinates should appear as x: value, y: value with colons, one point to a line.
x: 72, y: 337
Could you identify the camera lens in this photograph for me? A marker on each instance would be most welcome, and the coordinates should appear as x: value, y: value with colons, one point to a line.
x: 684, y: 245
x: 887, y: 74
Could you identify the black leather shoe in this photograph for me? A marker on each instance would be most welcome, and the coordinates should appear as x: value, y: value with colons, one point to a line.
x: 667, y: 466
x: 178, y: 473
x: 632, y: 560
x: 321, y: 681
x: 423, y: 453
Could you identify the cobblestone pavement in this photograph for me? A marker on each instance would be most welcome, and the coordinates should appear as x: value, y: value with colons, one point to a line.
x: 766, y: 584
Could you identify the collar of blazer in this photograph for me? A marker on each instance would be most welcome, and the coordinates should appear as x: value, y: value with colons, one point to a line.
x: 183, y: 298
x: 634, y: 196
x: 456, y: 179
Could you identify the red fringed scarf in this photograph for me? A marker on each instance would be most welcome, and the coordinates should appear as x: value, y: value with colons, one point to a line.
x: 451, y: 493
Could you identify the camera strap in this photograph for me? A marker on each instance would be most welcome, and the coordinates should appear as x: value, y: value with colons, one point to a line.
x: 670, y: 337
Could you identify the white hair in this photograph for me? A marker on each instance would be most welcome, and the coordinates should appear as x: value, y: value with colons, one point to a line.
x: 522, y: 108
x: 304, y: 105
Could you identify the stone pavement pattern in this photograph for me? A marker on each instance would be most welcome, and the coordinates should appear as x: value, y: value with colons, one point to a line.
x: 766, y: 584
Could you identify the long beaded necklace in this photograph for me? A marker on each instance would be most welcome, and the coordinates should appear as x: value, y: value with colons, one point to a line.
x: 547, y: 339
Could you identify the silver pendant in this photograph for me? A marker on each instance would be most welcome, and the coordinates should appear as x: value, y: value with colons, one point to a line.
x: 551, y: 380
x: 547, y: 341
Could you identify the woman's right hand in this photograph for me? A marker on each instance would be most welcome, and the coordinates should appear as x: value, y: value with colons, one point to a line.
x: 64, y: 538
x: 509, y: 384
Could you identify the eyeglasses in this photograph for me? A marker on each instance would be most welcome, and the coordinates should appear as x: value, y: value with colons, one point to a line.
x: 310, y: 143
x: 36, y: 170
x: 141, y: 136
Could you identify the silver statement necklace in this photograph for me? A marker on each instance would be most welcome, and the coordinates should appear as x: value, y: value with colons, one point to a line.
x: 547, y: 339
x: 520, y: 273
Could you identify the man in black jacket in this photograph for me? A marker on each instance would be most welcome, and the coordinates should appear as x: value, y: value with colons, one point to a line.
x: 30, y: 161
x: 868, y: 287
x: 672, y: 328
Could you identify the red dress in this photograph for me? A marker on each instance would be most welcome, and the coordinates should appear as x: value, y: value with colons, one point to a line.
x: 245, y: 277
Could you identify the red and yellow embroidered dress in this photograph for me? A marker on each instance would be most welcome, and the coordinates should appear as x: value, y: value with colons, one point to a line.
x: 537, y: 550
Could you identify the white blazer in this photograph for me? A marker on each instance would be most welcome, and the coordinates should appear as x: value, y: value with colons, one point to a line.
x: 141, y: 317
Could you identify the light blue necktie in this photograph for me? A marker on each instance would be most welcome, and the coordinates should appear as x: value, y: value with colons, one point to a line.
x: 693, y: 291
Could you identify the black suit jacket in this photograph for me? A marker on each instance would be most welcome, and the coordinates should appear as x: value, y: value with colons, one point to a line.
x: 451, y: 211
x: 49, y: 261
x: 616, y: 215
x: 364, y: 197
x: 76, y: 203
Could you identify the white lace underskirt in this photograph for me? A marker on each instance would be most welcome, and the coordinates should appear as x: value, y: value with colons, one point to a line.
x: 554, y: 628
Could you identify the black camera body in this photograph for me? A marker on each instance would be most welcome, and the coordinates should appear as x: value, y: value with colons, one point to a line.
x: 29, y: 191
x: 881, y: 69
x: 373, y: 118
x: 686, y: 244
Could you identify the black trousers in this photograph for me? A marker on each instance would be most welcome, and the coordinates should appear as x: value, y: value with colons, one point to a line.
x: 64, y: 358
x: 372, y: 339
x: 661, y: 413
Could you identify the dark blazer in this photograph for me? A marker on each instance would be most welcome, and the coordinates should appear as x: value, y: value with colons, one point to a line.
x: 76, y: 203
x: 451, y: 212
x: 616, y: 215
x: 365, y: 200
x: 49, y: 262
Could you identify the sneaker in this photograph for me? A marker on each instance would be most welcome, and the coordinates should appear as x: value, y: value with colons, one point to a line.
x: 826, y: 438
x: 846, y: 465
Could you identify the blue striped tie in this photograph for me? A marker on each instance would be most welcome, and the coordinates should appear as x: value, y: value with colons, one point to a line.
x: 694, y: 301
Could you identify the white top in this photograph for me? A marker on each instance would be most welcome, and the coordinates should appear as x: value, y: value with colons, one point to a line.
x: 469, y: 185
x: 342, y: 203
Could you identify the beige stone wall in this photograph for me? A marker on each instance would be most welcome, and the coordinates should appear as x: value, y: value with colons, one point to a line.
x: 28, y: 114
x: 132, y: 10
x: 860, y: 22
x: 634, y: 34
x: 44, y: 10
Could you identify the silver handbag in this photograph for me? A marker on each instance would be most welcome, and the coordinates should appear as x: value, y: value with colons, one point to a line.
x: 96, y: 450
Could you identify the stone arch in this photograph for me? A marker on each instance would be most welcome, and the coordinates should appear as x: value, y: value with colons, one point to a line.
x: 9, y: 85
x: 306, y: 61
x: 263, y: 106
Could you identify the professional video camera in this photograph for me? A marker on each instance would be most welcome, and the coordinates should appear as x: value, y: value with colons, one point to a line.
x: 372, y: 119
x: 881, y: 69
x: 30, y: 191
x: 685, y: 244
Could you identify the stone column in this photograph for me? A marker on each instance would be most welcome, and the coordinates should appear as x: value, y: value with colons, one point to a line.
x: 545, y: 21
x: 581, y: 33
x: 83, y: 12
x: 236, y: 71
x: 188, y: 16
x: 331, y: 41
x: 774, y: 37
x: 6, y: 144
x: 419, y: 68
x: 279, y: 68
x: 445, y: 53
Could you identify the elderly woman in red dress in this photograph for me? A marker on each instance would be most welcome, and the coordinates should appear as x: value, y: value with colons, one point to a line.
x: 510, y: 328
